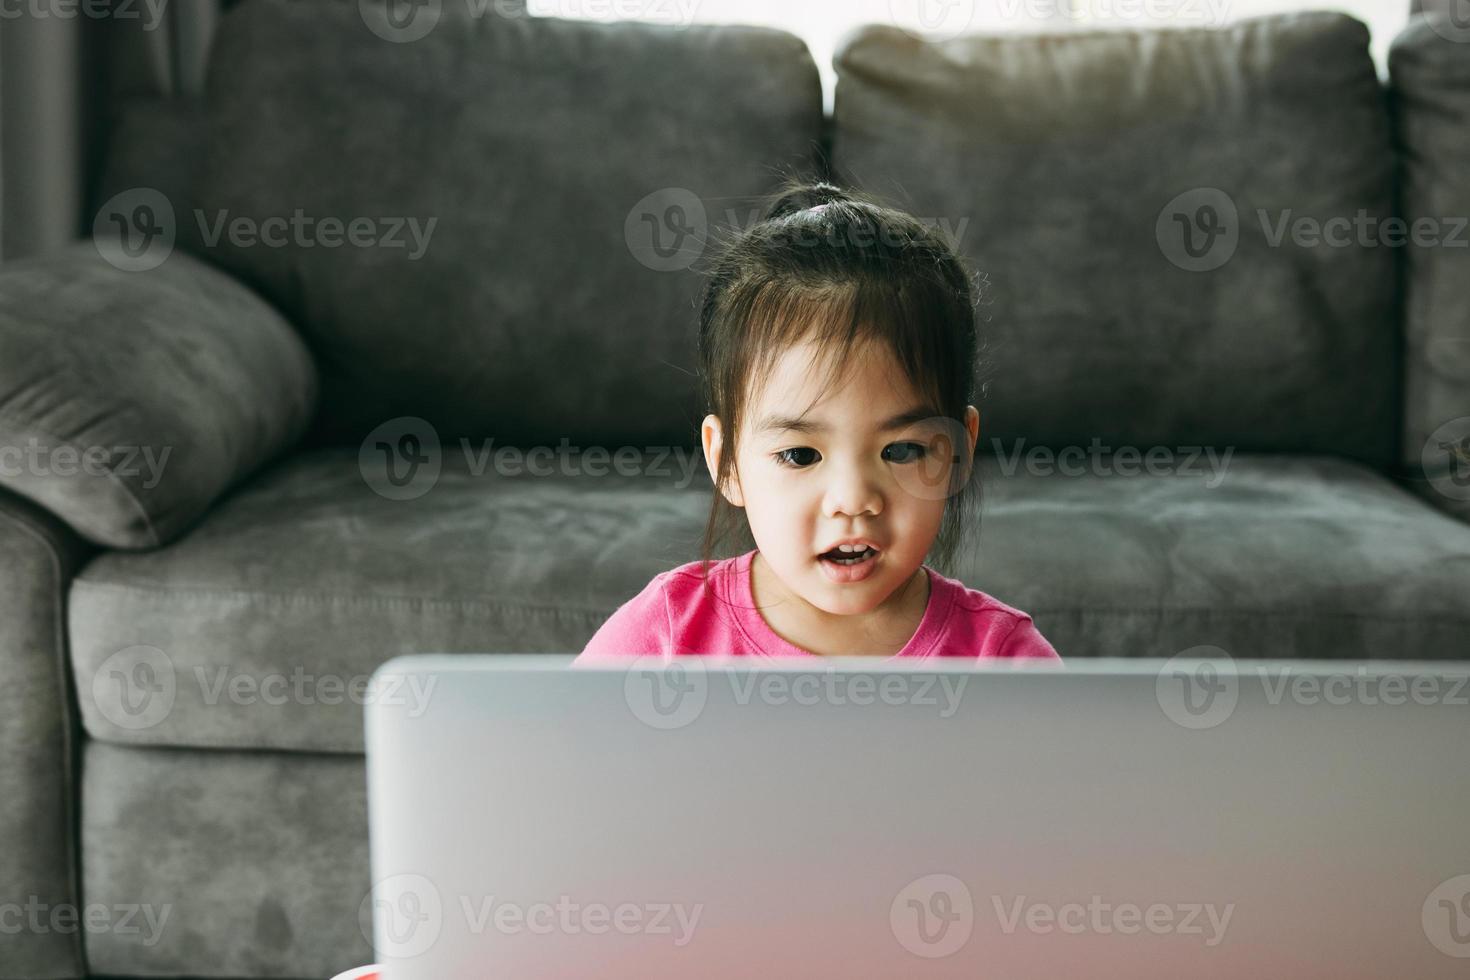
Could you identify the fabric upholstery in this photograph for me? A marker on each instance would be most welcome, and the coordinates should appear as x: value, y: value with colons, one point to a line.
x: 308, y: 572
x: 129, y: 400
x: 305, y: 580
x: 522, y: 312
x: 253, y: 864
x: 38, y: 862
x: 1430, y: 89
x: 1061, y: 164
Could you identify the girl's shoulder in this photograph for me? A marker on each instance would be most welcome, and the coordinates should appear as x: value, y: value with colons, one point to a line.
x: 982, y: 625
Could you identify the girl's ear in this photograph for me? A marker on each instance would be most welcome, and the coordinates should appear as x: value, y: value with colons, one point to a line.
x: 712, y: 435
x: 972, y: 423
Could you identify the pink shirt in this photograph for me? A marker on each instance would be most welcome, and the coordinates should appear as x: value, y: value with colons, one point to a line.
x: 674, y: 615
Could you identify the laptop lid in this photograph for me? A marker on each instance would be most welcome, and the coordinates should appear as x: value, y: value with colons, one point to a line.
x: 1199, y: 817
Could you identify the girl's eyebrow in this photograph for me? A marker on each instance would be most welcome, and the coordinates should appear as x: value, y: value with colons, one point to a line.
x: 786, y: 423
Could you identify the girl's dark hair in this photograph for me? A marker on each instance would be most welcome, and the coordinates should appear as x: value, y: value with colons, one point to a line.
x: 838, y: 269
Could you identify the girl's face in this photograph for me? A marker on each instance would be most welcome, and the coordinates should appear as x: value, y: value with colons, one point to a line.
x: 865, y: 462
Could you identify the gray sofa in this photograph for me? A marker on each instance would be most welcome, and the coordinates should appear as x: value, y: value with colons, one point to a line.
x: 246, y: 465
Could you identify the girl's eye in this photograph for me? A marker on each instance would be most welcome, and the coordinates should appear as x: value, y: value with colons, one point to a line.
x: 909, y: 452
x: 784, y: 457
x: 903, y: 452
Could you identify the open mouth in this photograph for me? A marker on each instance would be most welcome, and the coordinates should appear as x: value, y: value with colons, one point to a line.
x: 839, y: 557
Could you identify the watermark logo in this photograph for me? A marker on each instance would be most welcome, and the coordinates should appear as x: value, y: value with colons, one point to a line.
x: 36, y: 458
x: 1198, y: 688
x: 666, y: 693
x: 149, y: 12
x: 1198, y: 230
x: 1451, y: 20
x: 933, y: 20
x: 670, y: 692
x: 401, y: 459
x: 406, y: 914
x: 1446, y: 458
x: 36, y: 917
x: 303, y: 230
x: 933, y: 916
x: 1104, y: 918
x: 667, y: 230
x: 135, y: 230
x: 1446, y: 917
x: 1097, y: 459
x: 135, y: 688
x: 400, y: 21
x: 1205, y: 13
x: 943, y: 463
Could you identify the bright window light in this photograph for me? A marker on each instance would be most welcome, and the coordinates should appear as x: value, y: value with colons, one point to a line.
x: 822, y: 23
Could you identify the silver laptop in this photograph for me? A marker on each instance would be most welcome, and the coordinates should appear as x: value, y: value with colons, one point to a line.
x: 1196, y: 818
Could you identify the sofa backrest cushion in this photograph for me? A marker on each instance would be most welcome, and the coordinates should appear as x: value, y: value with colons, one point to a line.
x: 527, y: 193
x: 1121, y: 194
x: 1430, y: 69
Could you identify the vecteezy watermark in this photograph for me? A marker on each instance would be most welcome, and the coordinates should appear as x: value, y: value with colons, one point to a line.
x: 670, y: 228
x: 1100, y: 917
x: 1194, y: 13
x: 1200, y: 688
x: 40, y: 459
x: 1097, y: 459
x: 932, y: 916
x: 1446, y: 916
x: 1199, y: 230
x: 137, y: 687
x: 37, y: 917
x: 136, y: 230
x: 402, y: 459
x: 933, y: 20
x: 149, y: 13
x: 402, y: 21
x: 403, y: 916
x: 668, y: 693
x: 1451, y: 20
x: 308, y: 231
x: 1446, y: 458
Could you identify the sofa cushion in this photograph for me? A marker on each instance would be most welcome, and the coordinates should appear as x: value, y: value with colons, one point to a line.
x: 505, y: 175
x: 259, y: 629
x: 130, y: 399
x: 1431, y: 101
x: 263, y: 625
x: 1068, y: 168
x: 225, y: 864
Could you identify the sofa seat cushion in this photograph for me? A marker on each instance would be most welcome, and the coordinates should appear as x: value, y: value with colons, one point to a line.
x: 301, y: 582
x: 251, y: 631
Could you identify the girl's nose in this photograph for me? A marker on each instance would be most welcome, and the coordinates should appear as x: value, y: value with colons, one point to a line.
x: 853, y: 492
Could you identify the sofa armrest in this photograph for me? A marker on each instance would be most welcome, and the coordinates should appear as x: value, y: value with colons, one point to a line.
x: 129, y: 401
x: 38, y: 732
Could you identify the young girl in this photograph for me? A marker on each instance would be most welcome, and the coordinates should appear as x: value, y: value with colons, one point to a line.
x: 837, y: 355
